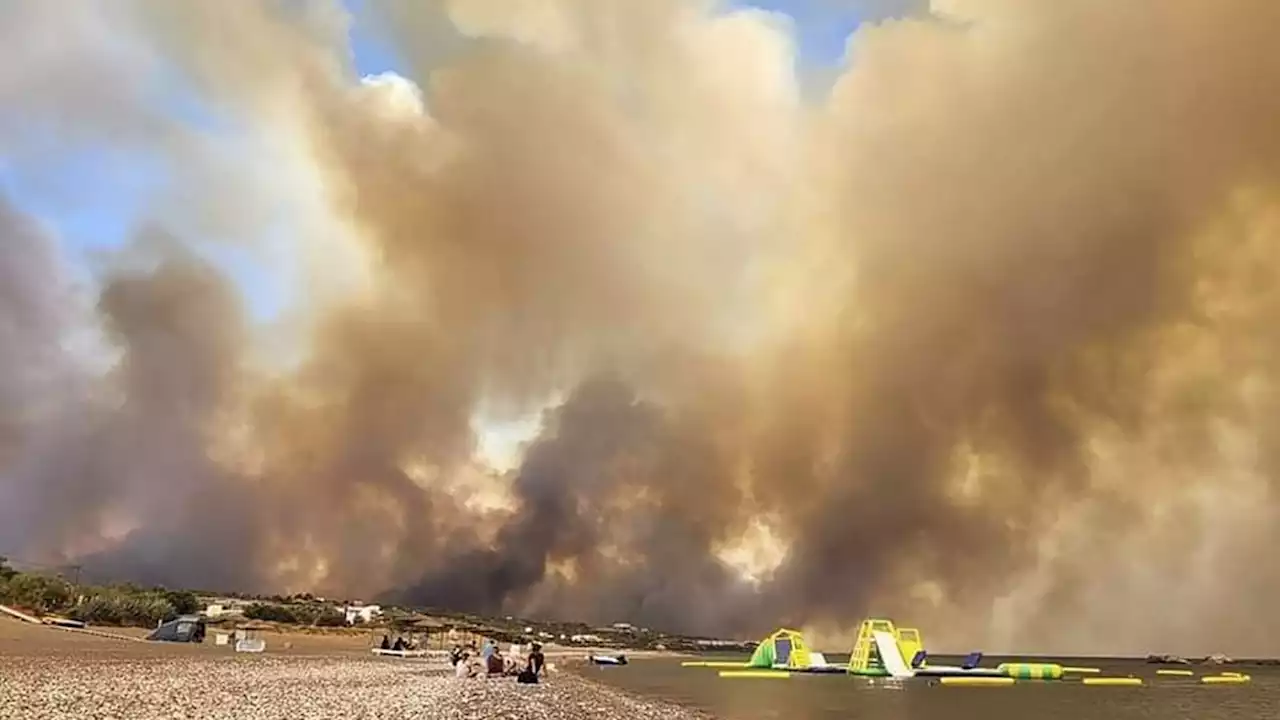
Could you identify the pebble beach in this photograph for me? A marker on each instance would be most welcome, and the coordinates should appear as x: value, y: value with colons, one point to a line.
x: 53, y: 674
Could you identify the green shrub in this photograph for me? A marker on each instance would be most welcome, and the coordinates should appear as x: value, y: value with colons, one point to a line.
x: 329, y: 617
x: 41, y: 593
x: 315, y: 614
x: 270, y: 612
x: 99, y: 610
x: 117, y: 606
x: 184, y: 602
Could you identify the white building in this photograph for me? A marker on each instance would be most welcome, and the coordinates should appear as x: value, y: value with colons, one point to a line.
x: 224, y: 607
x: 361, y: 613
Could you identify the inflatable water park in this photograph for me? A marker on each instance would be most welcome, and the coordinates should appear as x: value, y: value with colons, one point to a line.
x: 883, y: 650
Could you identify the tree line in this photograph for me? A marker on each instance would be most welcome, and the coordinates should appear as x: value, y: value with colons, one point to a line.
x: 98, y: 605
x: 131, y: 605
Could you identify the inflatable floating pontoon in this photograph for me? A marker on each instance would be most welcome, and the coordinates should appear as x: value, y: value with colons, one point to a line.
x: 883, y: 650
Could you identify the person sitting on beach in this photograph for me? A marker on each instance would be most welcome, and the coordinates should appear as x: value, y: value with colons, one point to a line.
x: 494, y: 664
x: 533, y: 670
x: 455, y: 655
x: 399, y: 644
x: 463, y: 668
x: 386, y: 643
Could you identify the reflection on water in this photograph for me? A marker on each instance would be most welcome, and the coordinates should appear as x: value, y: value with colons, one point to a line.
x: 818, y: 697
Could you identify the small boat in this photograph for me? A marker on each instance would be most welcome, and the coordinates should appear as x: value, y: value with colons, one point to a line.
x: 607, y: 659
x: 62, y: 622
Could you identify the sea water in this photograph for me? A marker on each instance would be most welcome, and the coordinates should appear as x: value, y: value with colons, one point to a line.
x: 832, y: 697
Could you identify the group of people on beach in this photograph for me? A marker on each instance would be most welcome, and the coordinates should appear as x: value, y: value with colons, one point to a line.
x: 489, y: 662
x: 399, y: 645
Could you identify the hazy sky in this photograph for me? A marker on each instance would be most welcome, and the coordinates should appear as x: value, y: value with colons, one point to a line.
x: 804, y: 310
x: 92, y: 195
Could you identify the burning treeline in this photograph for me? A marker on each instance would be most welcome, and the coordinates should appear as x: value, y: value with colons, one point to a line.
x: 984, y: 334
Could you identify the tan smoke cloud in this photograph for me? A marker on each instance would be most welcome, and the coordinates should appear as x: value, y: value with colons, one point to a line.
x: 981, y: 338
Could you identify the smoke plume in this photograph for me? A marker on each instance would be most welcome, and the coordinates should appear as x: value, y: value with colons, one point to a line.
x: 982, y: 336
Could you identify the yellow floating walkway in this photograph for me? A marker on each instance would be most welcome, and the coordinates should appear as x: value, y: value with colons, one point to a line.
x: 1224, y: 679
x: 962, y: 681
x: 1080, y: 670
x: 1183, y: 673
x: 775, y: 674
x: 1112, y: 681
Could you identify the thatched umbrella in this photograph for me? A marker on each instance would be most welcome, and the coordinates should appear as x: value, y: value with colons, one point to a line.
x: 460, y: 633
x: 432, y: 629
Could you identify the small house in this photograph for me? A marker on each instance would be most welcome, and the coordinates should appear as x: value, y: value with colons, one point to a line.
x: 361, y: 613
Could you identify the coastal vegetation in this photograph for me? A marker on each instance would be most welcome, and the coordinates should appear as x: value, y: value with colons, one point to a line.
x: 312, y: 613
x: 95, y: 604
x: 132, y: 605
x: 50, y: 593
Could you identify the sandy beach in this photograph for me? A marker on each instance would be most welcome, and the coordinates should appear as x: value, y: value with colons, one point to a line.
x: 47, y: 674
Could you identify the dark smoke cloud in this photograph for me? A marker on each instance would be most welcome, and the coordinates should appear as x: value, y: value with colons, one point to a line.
x: 982, y: 338
x: 612, y: 495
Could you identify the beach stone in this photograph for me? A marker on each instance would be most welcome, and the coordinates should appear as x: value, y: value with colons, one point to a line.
x: 177, y: 686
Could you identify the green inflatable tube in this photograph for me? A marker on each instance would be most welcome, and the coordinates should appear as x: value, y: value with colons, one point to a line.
x: 1031, y: 671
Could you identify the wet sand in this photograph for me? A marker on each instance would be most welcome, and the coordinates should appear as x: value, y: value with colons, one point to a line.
x: 47, y: 673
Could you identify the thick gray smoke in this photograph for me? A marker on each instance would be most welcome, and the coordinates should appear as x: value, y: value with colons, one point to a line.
x: 981, y: 336
x: 30, y: 351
